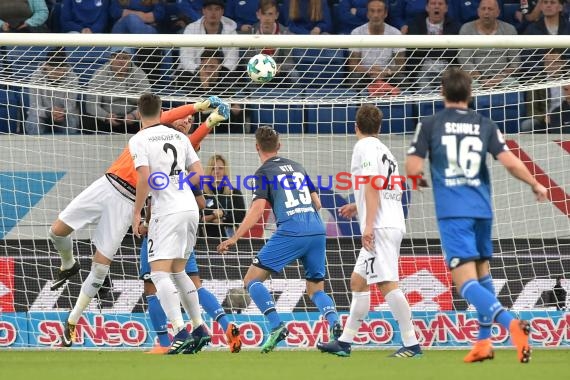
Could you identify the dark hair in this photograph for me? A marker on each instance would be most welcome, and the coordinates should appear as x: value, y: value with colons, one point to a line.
x: 267, y: 138
x: 266, y: 4
x: 212, y: 53
x: 56, y: 57
x: 368, y: 119
x: 456, y: 85
x: 149, y: 105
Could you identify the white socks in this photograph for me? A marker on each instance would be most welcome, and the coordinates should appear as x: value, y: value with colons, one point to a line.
x: 358, y: 310
x: 64, y: 247
x: 90, y: 287
x: 403, y: 314
x: 188, y: 297
x: 169, y: 300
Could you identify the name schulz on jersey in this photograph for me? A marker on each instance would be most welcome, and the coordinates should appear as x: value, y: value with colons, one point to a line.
x: 342, y: 181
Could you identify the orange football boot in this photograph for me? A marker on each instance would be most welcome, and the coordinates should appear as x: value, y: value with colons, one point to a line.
x: 519, y: 335
x: 481, y: 351
x: 157, y: 349
x: 233, y: 338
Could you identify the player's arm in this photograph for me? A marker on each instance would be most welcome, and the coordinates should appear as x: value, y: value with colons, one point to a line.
x: 143, y: 189
x: 518, y: 170
x: 316, y: 200
x: 372, y: 201
x: 251, y: 217
x: 414, y: 165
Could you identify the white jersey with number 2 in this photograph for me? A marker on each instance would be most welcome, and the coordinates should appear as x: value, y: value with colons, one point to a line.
x: 167, y: 153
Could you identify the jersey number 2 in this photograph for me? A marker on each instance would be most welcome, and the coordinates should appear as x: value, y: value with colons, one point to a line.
x: 467, y: 160
x: 166, y: 147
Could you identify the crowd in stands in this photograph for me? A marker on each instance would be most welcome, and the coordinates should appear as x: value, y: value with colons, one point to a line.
x: 379, y: 71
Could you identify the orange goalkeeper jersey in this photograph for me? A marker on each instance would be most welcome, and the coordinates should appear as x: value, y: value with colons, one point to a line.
x: 123, y: 166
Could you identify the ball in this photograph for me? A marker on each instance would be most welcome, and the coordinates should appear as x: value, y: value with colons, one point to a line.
x: 261, y: 68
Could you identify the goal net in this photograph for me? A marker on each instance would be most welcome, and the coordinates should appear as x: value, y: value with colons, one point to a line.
x: 66, y: 113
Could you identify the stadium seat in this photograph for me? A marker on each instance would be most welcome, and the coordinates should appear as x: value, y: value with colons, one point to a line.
x: 398, y: 118
x: 508, y: 14
x: 85, y: 60
x: 284, y: 117
x: 23, y: 61
x: 320, y: 67
x: 327, y: 116
x: 428, y: 108
x: 9, y: 112
x: 505, y: 109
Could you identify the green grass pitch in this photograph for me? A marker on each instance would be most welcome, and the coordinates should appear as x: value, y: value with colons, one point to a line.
x: 291, y: 365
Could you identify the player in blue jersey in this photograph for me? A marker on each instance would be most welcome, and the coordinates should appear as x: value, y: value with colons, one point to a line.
x: 457, y: 141
x: 300, y: 234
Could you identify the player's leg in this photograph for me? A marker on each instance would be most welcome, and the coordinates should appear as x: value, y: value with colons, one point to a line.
x: 185, y: 227
x: 314, y: 263
x: 518, y: 329
x: 279, y: 251
x: 359, y: 307
x: 383, y: 270
x: 84, y: 209
x: 59, y: 234
x: 157, y: 316
x: 213, y: 307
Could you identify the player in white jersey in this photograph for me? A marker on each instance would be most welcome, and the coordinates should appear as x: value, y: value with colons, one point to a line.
x: 163, y: 158
x: 379, y: 207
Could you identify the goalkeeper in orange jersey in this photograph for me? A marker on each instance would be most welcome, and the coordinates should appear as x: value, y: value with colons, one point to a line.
x: 109, y: 203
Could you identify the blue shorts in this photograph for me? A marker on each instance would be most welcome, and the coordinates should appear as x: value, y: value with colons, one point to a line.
x: 144, y: 270
x: 281, y: 250
x: 465, y: 239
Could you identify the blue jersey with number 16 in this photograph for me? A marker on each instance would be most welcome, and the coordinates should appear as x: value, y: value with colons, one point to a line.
x: 287, y: 187
x: 457, y: 141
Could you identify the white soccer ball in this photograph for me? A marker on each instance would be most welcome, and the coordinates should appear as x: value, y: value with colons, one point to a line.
x: 261, y: 68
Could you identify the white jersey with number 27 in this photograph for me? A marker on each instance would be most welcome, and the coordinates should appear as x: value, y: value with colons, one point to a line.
x: 167, y: 153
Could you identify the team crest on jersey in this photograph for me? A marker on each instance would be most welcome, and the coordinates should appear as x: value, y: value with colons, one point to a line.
x: 365, y: 164
x: 134, y: 156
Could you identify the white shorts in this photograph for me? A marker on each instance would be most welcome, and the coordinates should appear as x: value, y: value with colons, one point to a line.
x: 382, y: 264
x: 101, y: 203
x: 172, y: 236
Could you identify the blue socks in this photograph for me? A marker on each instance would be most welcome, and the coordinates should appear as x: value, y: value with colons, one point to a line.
x: 485, y: 329
x: 158, y: 320
x: 262, y: 298
x: 326, y: 306
x: 486, y: 303
x: 210, y: 303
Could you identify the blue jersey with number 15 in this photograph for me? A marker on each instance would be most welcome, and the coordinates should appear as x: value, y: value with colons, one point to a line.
x: 287, y: 187
x: 457, y: 141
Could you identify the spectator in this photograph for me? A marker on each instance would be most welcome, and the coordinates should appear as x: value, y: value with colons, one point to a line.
x: 543, y: 101
x: 558, y: 120
x: 117, y: 113
x: 137, y: 16
x: 84, y: 16
x: 243, y: 12
x: 268, y: 15
x: 141, y: 17
x: 53, y: 108
x: 376, y: 65
x: 213, y: 77
x: 403, y: 12
x: 427, y: 65
x: 23, y: 16
x: 308, y: 16
x: 489, y: 67
x: 184, y: 12
x: 225, y: 206
x: 552, y: 21
x: 212, y: 22
x: 528, y: 15
x: 350, y: 14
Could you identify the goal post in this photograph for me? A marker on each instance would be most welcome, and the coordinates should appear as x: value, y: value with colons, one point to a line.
x: 312, y: 103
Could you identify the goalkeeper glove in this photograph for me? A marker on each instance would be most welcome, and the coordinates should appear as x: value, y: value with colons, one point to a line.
x: 215, y: 102
x: 202, y: 106
x: 220, y: 114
